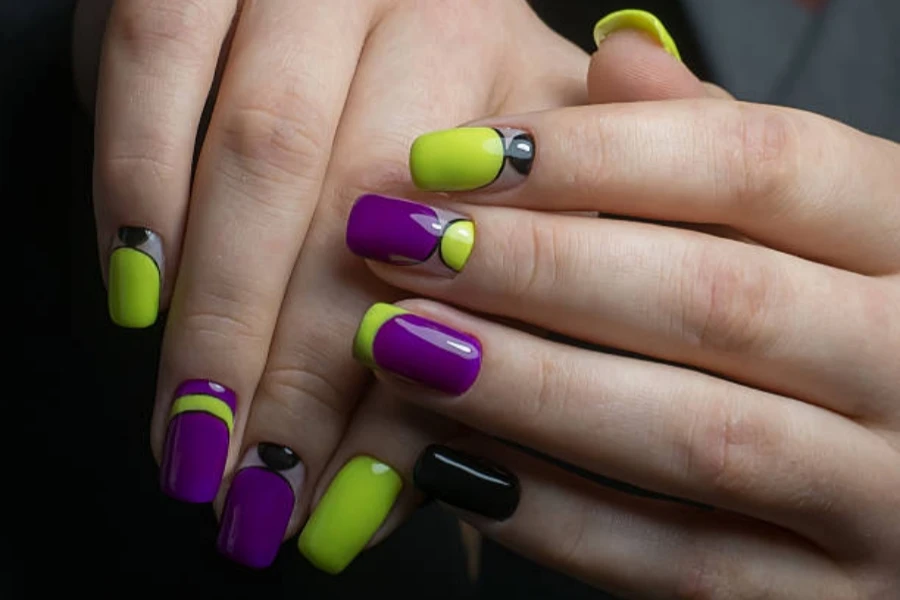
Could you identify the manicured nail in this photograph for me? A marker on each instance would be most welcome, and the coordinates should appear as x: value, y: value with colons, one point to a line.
x: 468, y: 482
x: 135, y: 276
x: 348, y: 515
x: 636, y: 19
x: 405, y: 233
x: 259, y: 504
x: 468, y: 158
x: 200, y: 425
x: 417, y: 349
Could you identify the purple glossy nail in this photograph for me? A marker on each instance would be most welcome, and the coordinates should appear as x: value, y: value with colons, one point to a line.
x: 418, y: 349
x: 402, y: 232
x: 200, y: 424
x: 259, y: 505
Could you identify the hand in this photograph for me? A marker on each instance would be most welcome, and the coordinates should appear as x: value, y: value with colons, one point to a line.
x: 315, y: 103
x: 758, y: 381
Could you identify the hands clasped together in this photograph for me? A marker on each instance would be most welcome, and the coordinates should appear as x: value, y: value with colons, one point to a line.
x: 733, y: 341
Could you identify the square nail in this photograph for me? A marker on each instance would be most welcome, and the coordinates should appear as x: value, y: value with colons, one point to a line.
x: 405, y: 233
x: 135, y: 277
x: 418, y: 349
x: 259, y: 504
x: 200, y: 424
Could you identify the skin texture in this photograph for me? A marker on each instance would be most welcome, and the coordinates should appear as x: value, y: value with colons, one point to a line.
x: 771, y: 393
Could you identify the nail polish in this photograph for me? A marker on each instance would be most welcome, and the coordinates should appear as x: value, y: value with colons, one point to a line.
x: 470, y: 158
x: 417, y: 349
x: 135, y: 277
x: 350, y: 512
x: 640, y: 20
x: 259, y: 504
x: 467, y: 482
x: 201, y: 421
x: 405, y: 233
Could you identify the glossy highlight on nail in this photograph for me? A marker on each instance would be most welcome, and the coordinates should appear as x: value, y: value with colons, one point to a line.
x: 135, y: 277
x: 417, y: 349
x: 467, y: 482
x: 357, y: 502
x: 259, y: 504
x: 470, y: 158
x: 201, y: 421
x: 405, y: 233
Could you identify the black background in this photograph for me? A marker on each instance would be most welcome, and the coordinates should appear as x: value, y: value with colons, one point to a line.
x: 83, y: 512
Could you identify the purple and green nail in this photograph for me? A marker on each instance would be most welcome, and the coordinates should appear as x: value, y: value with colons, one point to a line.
x: 405, y: 233
x: 419, y: 349
x: 259, y: 504
x: 200, y: 424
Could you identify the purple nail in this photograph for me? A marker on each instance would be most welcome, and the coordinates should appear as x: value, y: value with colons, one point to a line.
x: 200, y: 423
x: 404, y: 233
x: 418, y: 349
x: 259, y: 505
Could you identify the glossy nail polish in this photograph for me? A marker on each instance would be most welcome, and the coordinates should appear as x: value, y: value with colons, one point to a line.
x: 350, y: 512
x: 470, y: 158
x: 640, y: 20
x: 201, y: 421
x: 467, y: 482
x: 417, y: 349
x: 135, y: 277
x: 404, y: 233
x: 259, y: 504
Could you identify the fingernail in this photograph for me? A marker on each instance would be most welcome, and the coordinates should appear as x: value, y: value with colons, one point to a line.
x: 636, y: 19
x: 417, y: 349
x: 467, y: 482
x: 200, y: 424
x: 259, y: 504
x: 469, y: 158
x: 348, y: 515
x: 405, y: 233
x: 135, y: 276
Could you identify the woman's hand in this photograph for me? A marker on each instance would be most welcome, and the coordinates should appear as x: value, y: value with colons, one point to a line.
x: 312, y: 103
x: 758, y: 378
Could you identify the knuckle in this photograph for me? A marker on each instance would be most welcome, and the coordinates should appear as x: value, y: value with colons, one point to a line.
x: 277, y: 135
x: 148, y: 171
x: 699, y: 577
x: 171, y: 28
x: 311, y: 367
x: 223, y: 314
x: 716, y: 446
x: 727, y: 302
x: 758, y: 150
x: 534, y: 266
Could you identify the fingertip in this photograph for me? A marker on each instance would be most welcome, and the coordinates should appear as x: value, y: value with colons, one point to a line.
x: 630, y: 66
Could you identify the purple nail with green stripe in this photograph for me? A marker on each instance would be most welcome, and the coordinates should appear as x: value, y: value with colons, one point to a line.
x: 405, y: 233
x: 418, y: 349
x: 200, y: 424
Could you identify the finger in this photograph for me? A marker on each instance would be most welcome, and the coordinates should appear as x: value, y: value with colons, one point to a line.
x: 310, y: 385
x: 391, y: 433
x: 663, y: 428
x: 257, y: 184
x: 739, y: 310
x: 637, y: 547
x: 792, y: 180
x: 631, y: 66
x: 158, y: 62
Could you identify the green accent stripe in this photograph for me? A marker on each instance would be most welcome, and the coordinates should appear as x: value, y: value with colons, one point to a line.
x: 204, y: 403
x: 375, y: 317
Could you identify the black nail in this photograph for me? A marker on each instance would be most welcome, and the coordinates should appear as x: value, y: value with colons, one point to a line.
x: 467, y: 482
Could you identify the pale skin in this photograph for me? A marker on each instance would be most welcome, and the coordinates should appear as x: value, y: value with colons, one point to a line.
x: 791, y: 425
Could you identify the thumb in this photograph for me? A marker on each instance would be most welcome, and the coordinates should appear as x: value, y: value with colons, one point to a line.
x: 637, y: 60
